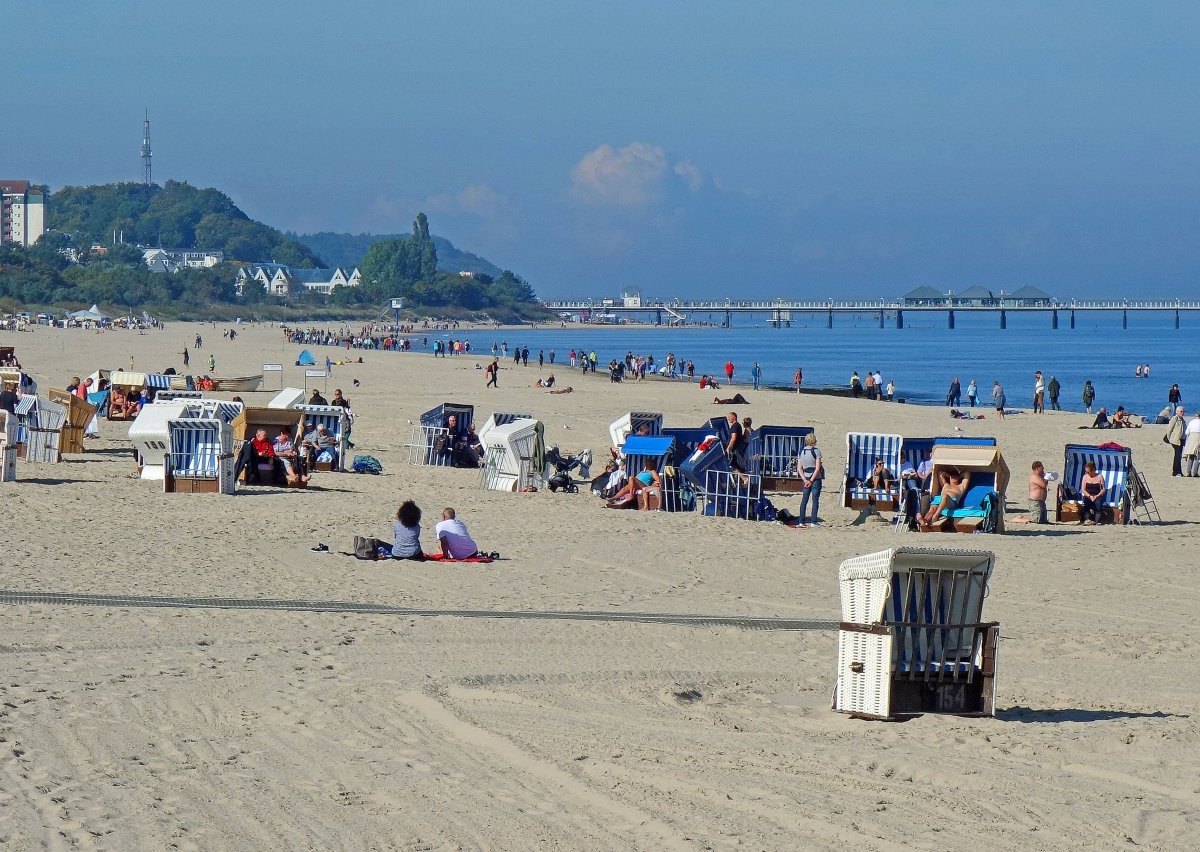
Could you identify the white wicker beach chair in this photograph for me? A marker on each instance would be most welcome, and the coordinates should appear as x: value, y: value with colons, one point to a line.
x: 912, y: 639
x: 201, y: 457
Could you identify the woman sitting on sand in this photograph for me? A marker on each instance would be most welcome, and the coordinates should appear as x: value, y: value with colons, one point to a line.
x: 407, y: 533
x: 627, y: 496
x: 954, y: 488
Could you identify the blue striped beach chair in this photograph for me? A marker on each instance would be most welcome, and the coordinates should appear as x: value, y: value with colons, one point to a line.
x: 200, y: 460
x: 772, y: 455
x: 1112, y: 464
x: 862, y: 448
x: 336, y: 423
x: 912, y: 638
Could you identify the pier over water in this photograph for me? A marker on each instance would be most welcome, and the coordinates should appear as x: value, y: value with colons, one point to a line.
x: 779, y: 313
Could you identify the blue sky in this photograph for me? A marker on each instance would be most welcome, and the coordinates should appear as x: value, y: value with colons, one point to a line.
x: 689, y: 148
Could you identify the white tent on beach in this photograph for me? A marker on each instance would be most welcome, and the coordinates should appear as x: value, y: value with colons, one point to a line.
x: 93, y: 313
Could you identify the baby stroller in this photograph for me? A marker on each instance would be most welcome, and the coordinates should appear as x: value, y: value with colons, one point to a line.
x: 563, y: 465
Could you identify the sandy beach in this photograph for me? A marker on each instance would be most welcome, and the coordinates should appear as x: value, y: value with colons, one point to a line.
x: 132, y: 727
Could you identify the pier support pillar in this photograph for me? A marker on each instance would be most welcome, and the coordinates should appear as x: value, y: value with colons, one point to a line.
x: 658, y: 317
x: 1003, y: 319
x: 881, y: 313
x: 1177, y: 319
x: 1072, y: 319
x: 900, y: 320
x: 1054, y: 319
x: 729, y: 319
x: 950, y: 319
x: 1124, y: 319
x: 829, y: 320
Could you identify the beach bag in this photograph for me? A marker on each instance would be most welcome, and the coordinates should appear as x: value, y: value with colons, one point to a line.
x: 365, y: 548
x: 764, y: 510
x: 366, y: 464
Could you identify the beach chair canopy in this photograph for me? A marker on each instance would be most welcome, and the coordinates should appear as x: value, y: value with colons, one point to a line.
x: 637, y: 449
x: 1112, y: 464
x: 438, y: 416
x: 631, y: 423
x: 306, y: 359
x: 696, y: 468
x: 288, y: 398
x: 250, y: 420
x: 499, y: 418
x: 686, y: 441
x: 127, y: 379
x: 985, y: 463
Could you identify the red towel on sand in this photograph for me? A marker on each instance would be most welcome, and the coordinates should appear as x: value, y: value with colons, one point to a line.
x: 437, y: 557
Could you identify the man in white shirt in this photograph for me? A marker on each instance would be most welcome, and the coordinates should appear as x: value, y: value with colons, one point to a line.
x: 453, y: 537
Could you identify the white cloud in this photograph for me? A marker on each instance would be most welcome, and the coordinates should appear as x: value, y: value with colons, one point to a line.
x: 691, y: 174
x: 627, y: 177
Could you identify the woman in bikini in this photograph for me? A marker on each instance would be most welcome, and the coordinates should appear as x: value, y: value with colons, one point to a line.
x: 648, y: 478
x: 954, y: 487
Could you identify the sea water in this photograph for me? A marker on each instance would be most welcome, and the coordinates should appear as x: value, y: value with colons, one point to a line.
x: 922, y: 358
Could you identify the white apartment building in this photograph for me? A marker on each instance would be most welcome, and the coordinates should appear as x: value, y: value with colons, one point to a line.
x: 22, y: 212
x: 164, y: 260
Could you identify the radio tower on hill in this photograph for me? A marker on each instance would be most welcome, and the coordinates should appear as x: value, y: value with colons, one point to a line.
x: 147, y: 177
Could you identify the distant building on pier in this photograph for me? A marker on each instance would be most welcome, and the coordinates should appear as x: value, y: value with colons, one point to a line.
x: 1027, y: 297
x: 925, y: 297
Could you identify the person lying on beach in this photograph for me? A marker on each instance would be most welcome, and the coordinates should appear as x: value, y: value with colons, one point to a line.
x: 567, y: 389
x: 627, y: 496
x: 736, y: 399
x: 954, y: 488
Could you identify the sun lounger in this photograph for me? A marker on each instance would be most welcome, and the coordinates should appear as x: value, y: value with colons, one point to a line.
x: 912, y: 639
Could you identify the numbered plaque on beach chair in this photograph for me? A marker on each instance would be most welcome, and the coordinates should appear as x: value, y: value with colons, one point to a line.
x: 201, y: 457
x: 912, y: 638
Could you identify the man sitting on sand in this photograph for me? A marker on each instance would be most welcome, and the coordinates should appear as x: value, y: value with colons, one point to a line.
x: 452, y: 536
x: 1102, y: 421
x: 547, y: 382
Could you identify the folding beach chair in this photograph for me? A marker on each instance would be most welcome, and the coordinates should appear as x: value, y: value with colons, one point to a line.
x: 912, y: 639
x: 1141, y: 501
